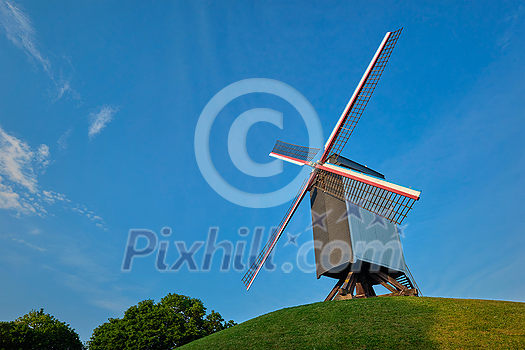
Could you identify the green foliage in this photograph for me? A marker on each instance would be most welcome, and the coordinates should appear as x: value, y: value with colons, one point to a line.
x: 380, y: 323
x: 172, y: 322
x: 37, y: 330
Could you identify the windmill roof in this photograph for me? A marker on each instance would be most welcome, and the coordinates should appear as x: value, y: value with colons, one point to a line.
x: 350, y: 164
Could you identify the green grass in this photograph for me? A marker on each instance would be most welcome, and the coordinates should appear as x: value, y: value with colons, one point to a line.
x: 380, y: 323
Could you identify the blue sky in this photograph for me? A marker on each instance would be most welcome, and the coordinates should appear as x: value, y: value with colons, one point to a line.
x: 99, y: 102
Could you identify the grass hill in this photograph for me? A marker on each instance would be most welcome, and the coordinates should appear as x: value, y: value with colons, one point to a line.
x: 380, y: 323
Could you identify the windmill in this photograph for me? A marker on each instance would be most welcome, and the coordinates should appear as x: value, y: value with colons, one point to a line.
x: 355, y: 211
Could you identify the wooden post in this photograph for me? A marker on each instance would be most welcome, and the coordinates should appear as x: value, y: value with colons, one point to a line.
x: 347, y: 290
x: 334, y: 290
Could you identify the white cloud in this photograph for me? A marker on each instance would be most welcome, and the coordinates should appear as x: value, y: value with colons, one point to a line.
x: 62, y: 86
x: 20, y: 31
x: 51, y: 197
x: 42, y: 156
x: 84, y: 211
x: 19, y: 190
x: 98, y: 120
x: 17, y: 161
x: 18, y: 178
x: 62, y: 141
x: 77, y: 210
x: 11, y: 200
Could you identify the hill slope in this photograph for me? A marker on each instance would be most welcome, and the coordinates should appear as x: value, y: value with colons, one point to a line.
x: 380, y: 323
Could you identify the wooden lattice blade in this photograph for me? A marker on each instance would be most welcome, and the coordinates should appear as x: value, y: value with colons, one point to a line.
x: 374, y: 181
x: 381, y: 197
x: 359, y: 100
x: 296, y: 154
x: 254, y: 269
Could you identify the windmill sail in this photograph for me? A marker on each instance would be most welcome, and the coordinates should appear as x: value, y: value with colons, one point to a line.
x: 381, y: 197
x: 252, y: 272
x: 299, y: 155
x: 359, y: 100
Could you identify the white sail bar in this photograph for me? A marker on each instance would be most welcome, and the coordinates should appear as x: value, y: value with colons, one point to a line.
x: 293, y: 160
x: 370, y: 180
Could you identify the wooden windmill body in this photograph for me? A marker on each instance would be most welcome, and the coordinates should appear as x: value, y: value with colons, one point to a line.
x: 355, y: 245
x: 355, y: 211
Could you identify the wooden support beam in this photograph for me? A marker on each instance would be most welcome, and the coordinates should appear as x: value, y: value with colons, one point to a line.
x: 384, y: 283
x: 370, y: 292
x: 363, y: 285
x: 348, y: 280
x: 392, y: 281
x: 389, y: 287
x: 334, y: 290
x: 359, y: 290
x: 364, y: 290
x: 347, y: 289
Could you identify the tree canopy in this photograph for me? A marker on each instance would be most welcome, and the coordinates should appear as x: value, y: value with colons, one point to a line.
x: 174, y: 321
x: 38, y: 330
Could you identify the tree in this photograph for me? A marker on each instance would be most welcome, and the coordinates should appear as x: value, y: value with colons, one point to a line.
x: 174, y: 321
x: 38, y: 330
x: 15, y: 335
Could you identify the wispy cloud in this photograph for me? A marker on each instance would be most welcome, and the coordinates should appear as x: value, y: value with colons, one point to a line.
x: 62, y: 86
x: 512, y: 22
x: 62, y: 141
x: 84, y: 211
x: 11, y: 200
x: 20, y: 31
x: 17, y: 161
x: 98, y: 120
x: 19, y: 190
x: 52, y: 197
x: 42, y: 157
x: 19, y: 165
x: 30, y: 245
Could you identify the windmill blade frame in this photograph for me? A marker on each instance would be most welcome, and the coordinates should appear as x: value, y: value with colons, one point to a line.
x: 256, y: 266
x: 295, y: 151
x: 391, y: 201
x: 295, y: 154
x: 359, y: 100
